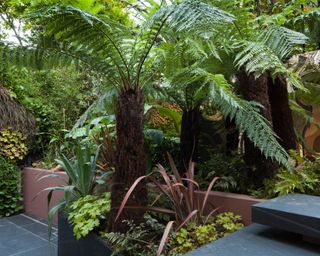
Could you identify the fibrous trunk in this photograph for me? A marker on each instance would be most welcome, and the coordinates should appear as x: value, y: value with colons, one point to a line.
x: 257, y: 90
x: 281, y: 113
x: 130, y: 159
x: 232, y: 136
x: 189, y: 137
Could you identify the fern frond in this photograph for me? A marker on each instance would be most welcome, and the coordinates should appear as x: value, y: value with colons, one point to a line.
x: 258, y: 58
x: 245, y: 114
x: 194, y: 14
x: 98, y: 35
x: 282, y: 40
x: 49, y: 55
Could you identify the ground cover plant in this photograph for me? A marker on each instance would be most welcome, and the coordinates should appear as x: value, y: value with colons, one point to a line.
x: 10, y: 196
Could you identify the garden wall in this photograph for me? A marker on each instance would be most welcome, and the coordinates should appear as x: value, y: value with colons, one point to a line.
x: 35, y: 203
x: 231, y: 202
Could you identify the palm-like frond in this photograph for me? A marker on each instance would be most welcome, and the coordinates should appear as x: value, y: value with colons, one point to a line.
x: 185, y: 88
x: 192, y: 14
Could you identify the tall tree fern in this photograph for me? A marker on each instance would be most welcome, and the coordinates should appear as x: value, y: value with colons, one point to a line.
x: 191, y: 79
x: 120, y: 53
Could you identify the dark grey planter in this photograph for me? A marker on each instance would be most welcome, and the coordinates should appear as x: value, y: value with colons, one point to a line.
x: 90, y: 245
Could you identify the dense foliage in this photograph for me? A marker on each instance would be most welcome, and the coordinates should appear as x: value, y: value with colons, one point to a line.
x: 142, y: 240
x: 194, y: 236
x: 303, y: 179
x: 86, y: 213
x: 51, y: 97
x: 13, y: 145
x: 10, y: 197
x: 117, y: 85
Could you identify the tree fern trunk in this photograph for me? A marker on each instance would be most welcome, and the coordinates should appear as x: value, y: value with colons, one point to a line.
x: 189, y: 137
x: 130, y: 158
x: 281, y: 113
x: 258, y: 7
x: 257, y: 90
x: 232, y: 137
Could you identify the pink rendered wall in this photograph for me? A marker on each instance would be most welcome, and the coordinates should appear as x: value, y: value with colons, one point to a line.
x: 237, y: 203
x: 35, y: 203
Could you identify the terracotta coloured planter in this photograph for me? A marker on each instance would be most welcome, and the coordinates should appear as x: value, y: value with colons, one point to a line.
x: 227, y: 202
x: 35, y: 203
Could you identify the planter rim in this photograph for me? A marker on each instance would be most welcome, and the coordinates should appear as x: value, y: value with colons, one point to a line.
x: 30, y: 168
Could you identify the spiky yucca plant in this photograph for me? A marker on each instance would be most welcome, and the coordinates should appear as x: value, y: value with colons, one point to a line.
x: 120, y: 53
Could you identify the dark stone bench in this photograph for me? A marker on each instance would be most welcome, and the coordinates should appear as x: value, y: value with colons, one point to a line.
x: 295, y: 213
x: 259, y: 240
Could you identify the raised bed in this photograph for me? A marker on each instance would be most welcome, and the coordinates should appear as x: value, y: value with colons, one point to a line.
x: 231, y: 202
x: 35, y: 202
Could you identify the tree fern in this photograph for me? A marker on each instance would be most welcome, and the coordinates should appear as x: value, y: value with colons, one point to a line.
x: 247, y: 117
x: 245, y: 114
x: 118, y: 45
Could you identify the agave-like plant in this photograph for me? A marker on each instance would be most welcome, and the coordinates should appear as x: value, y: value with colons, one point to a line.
x: 182, y: 193
x: 83, y: 178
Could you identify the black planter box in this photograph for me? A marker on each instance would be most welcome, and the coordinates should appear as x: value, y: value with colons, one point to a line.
x: 68, y: 245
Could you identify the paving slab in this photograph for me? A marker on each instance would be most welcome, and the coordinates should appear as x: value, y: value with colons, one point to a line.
x: 259, y: 240
x: 297, y: 213
x: 21, y: 235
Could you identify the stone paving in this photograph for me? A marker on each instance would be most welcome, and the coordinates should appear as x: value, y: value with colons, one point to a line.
x: 21, y: 235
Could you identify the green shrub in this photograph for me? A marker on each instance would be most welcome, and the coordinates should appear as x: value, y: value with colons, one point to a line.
x: 231, y: 170
x: 139, y: 240
x: 193, y: 236
x: 10, y: 198
x: 13, y: 144
x: 305, y: 179
x: 85, y: 213
x: 143, y: 239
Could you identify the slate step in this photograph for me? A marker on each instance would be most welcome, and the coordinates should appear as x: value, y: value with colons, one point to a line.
x: 258, y: 240
x: 296, y: 213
